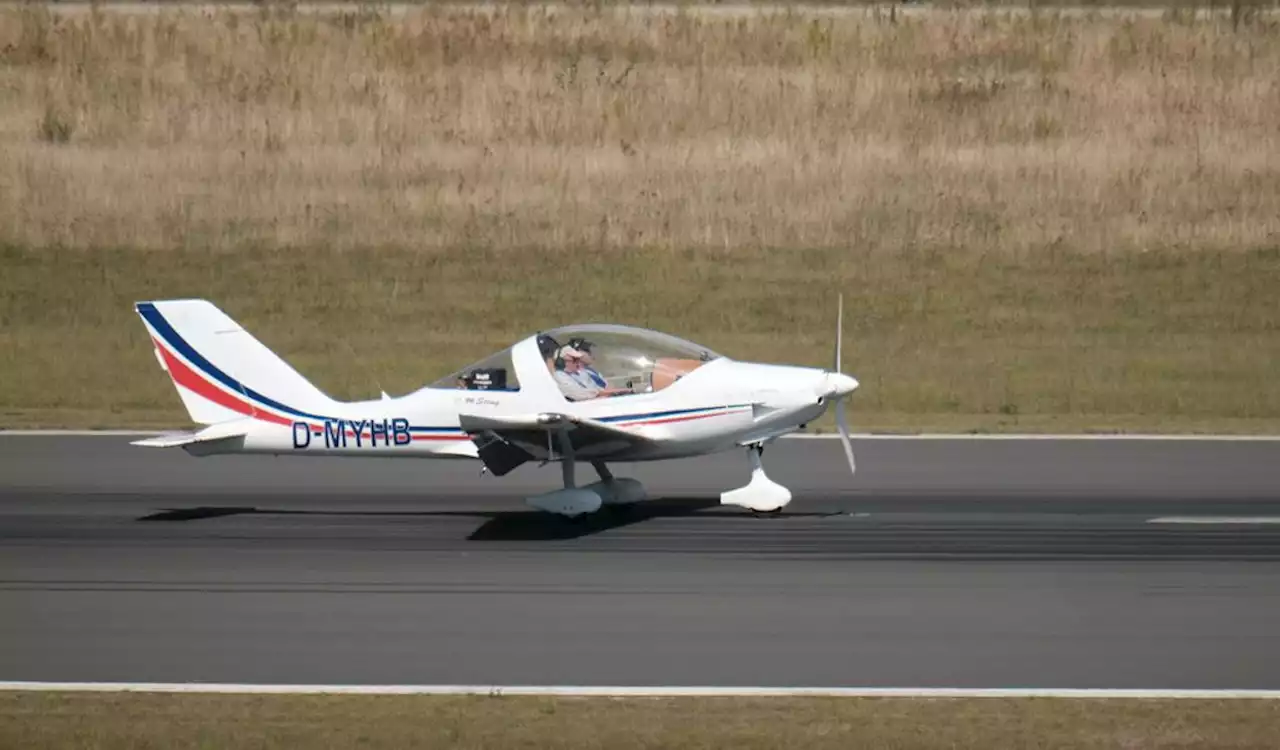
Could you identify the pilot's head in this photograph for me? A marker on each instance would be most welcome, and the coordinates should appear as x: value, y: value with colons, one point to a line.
x: 582, y: 346
x: 572, y: 358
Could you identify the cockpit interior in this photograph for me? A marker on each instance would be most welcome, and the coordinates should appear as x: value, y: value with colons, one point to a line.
x: 593, y: 361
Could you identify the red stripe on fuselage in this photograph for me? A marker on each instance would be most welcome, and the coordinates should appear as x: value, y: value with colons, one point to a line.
x: 192, y: 381
x: 669, y: 420
x: 187, y: 378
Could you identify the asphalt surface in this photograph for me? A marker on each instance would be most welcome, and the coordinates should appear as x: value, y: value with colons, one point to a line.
x: 941, y: 564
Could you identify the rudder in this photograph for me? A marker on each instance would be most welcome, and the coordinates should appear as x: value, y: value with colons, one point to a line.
x: 221, y: 371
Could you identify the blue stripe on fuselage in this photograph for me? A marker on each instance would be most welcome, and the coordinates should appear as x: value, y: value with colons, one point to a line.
x: 149, y: 312
x: 671, y: 413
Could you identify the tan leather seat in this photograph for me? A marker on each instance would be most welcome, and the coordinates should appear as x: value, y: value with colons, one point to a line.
x: 668, y: 370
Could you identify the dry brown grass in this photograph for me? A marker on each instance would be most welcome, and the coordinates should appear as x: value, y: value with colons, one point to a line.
x: 106, y: 721
x: 525, y: 128
x: 1038, y: 221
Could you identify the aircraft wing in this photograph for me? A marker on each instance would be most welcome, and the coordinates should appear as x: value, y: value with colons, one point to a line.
x: 504, y: 443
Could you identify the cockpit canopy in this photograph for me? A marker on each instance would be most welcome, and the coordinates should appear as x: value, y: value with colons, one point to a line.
x: 613, y: 359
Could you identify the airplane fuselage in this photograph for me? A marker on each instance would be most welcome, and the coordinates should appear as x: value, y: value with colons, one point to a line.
x: 707, y: 412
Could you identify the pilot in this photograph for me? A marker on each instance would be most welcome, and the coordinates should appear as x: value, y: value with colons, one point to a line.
x: 587, y: 360
x: 574, y: 383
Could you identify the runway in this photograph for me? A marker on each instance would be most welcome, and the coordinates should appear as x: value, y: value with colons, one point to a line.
x: 1055, y: 564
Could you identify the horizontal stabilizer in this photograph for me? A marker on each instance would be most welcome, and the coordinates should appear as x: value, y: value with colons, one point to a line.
x: 224, y: 437
x: 169, y: 440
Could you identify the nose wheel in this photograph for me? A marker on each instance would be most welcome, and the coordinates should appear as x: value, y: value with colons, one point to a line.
x: 762, y: 495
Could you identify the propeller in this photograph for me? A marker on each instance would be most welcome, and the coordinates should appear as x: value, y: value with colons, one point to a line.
x: 841, y: 385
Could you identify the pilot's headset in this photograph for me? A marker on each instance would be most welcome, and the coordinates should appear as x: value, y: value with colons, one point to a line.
x: 581, y: 344
x: 560, y: 355
x: 585, y: 347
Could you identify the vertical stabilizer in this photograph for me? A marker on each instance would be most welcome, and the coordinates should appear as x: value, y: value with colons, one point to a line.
x: 221, y: 371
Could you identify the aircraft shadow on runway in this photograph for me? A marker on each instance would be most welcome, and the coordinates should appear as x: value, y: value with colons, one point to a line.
x: 501, y: 525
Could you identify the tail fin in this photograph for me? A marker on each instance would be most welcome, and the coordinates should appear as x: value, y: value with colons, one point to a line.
x: 221, y: 371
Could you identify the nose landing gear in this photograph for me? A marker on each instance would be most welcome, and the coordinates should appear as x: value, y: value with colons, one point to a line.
x: 761, y: 495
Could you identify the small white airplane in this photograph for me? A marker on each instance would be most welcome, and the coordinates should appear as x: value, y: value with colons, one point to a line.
x: 596, y: 393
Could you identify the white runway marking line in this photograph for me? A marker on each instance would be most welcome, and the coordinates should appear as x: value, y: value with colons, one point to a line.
x: 80, y: 433
x: 636, y: 692
x: 1216, y: 520
x: 1036, y: 436
x: 807, y: 436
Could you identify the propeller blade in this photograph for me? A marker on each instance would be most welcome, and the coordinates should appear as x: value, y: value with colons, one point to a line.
x: 843, y: 426
x: 839, y: 331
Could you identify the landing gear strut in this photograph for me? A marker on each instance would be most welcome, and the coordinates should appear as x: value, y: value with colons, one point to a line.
x: 573, y: 501
x: 761, y: 494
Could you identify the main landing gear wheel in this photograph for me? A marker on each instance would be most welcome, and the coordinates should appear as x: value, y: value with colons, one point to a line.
x: 576, y: 503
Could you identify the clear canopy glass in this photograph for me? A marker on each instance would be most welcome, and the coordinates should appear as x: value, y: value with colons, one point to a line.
x: 620, y: 359
x: 493, y: 373
x: 594, y: 360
